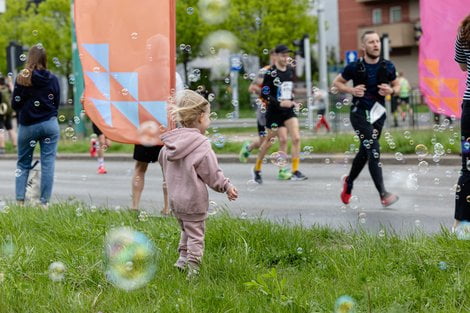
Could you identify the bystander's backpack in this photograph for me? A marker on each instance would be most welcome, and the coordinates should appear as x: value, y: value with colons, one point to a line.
x: 5, y: 101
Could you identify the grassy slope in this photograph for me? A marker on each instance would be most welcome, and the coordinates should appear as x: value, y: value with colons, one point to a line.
x: 385, y: 274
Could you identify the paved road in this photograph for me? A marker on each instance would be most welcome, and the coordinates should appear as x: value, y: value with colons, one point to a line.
x: 314, y: 201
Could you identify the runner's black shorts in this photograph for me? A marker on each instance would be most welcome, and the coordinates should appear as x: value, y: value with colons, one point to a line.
x: 96, y: 130
x: 278, y: 117
x: 5, y: 122
x: 146, y: 154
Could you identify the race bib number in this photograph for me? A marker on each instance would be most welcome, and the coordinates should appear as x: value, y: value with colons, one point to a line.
x: 376, y: 112
x: 286, y: 91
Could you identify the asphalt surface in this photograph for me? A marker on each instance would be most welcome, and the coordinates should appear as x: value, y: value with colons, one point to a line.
x: 426, y: 199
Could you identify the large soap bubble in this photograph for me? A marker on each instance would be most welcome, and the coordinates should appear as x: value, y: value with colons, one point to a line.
x: 130, y: 258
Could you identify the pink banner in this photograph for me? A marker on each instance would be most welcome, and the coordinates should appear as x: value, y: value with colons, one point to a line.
x: 442, y: 82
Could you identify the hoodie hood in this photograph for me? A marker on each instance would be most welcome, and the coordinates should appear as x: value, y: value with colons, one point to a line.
x: 41, y: 78
x: 182, y: 141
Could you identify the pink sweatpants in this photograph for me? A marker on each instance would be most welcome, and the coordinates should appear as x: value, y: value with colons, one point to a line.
x: 191, y: 244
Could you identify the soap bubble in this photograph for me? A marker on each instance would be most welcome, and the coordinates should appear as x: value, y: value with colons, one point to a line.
x: 214, y: 11
x: 148, y: 133
x: 278, y: 158
x: 345, y: 304
x: 462, y: 231
x: 129, y: 258
x: 57, y: 271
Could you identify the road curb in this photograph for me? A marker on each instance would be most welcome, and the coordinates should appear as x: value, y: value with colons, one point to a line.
x: 451, y: 160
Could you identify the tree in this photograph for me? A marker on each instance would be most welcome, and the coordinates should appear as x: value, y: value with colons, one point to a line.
x: 48, y: 23
x: 258, y: 24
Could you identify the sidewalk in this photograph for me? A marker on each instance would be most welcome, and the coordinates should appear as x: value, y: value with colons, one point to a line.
x: 339, y: 158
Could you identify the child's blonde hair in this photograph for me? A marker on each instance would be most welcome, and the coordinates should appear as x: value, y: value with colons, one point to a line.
x: 189, y: 106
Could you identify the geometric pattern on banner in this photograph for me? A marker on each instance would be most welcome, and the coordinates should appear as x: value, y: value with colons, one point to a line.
x: 129, y: 109
x: 452, y: 85
x: 128, y: 80
x: 157, y: 109
x: 433, y: 84
x: 101, y: 81
x: 100, y: 53
x: 439, y: 85
x: 104, y: 107
x: 432, y: 66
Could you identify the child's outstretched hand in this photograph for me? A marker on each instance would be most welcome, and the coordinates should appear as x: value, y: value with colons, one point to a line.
x: 232, y: 193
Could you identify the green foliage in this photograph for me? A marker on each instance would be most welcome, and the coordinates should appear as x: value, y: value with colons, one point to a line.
x: 257, y: 24
x: 49, y: 23
x: 270, y: 285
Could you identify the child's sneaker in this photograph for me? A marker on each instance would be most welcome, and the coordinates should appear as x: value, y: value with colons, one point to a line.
x: 181, y: 263
x: 297, y: 175
x: 193, y: 271
x: 102, y: 170
x: 244, y: 152
x: 388, y: 199
x: 284, y: 174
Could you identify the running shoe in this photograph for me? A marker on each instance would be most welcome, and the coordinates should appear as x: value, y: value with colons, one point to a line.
x: 346, y: 192
x: 102, y: 170
x: 93, y: 148
x: 297, y: 175
x: 388, y: 199
x: 257, y: 177
x: 244, y: 152
x: 284, y: 174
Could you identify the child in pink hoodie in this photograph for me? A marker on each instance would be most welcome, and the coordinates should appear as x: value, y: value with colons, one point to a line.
x: 189, y: 164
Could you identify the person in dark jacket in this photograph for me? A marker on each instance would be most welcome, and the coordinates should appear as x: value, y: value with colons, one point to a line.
x: 36, y: 98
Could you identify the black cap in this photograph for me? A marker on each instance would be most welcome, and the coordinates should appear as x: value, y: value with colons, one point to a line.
x: 282, y: 49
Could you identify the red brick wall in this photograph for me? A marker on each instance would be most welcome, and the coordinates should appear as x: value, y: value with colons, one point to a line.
x: 353, y: 14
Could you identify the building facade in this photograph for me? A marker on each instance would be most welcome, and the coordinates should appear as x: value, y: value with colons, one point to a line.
x: 397, y: 18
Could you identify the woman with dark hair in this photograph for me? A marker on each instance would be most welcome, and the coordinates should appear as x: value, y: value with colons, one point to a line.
x: 462, y: 57
x: 36, y: 99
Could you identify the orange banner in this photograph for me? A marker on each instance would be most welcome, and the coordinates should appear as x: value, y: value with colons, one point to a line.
x: 127, y: 50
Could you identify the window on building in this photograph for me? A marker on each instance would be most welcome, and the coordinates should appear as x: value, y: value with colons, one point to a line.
x: 377, y: 16
x: 395, y: 14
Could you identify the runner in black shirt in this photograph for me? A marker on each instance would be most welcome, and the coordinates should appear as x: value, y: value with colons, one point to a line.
x: 278, y: 85
x: 373, y: 79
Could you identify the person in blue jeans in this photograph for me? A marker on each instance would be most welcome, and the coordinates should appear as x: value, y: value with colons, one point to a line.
x: 36, y: 98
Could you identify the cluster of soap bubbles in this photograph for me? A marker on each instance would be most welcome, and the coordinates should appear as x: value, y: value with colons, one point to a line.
x: 130, y: 258
x: 390, y: 140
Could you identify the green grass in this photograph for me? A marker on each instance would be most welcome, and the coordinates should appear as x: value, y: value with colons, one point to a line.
x: 405, y: 141
x: 339, y: 143
x: 249, y: 266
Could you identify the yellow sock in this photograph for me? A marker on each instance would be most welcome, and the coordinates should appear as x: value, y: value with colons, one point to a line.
x: 295, y: 164
x: 258, y: 164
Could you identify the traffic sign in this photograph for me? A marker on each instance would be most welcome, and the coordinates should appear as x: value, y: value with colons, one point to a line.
x: 351, y: 56
x: 235, y: 63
